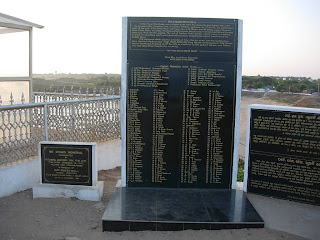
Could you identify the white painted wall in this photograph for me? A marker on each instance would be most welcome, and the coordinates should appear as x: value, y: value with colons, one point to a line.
x: 19, y: 177
x: 109, y: 154
x: 25, y: 175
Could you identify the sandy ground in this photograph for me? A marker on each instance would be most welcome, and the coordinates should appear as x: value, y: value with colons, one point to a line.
x: 22, y: 217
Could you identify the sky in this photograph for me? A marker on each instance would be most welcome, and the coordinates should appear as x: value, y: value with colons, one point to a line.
x: 280, y: 37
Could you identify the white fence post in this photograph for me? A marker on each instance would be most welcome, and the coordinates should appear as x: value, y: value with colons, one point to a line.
x: 45, y: 116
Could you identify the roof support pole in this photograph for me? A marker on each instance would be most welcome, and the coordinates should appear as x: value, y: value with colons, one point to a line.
x: 30, y: 66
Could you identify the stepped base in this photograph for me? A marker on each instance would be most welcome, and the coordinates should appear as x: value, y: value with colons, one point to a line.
x: 168, y: 209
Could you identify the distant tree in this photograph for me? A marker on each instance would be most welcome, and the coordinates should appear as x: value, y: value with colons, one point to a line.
x: 296, y: 84
x: 260, y: 85
x: 283, y: 86
x: 267, y: 81
x: 302, y: 86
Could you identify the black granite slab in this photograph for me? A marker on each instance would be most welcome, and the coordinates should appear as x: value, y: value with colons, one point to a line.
x: 284, y: 154
x: 168, y: 209
x: 181, y: 97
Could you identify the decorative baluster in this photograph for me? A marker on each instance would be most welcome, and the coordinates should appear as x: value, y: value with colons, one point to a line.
x: 107, y: 92
x: 60, y: 95
x: 101, y: 92
x: 55, y: 95
x: 63, y: 93
x: 113, y: 109
x: 22, y: 98
x: 87, y: 93
x: 80, y: 94
x: 11, y: 99
x: 45, y: 95
x: 94, y: 92
x: 0, y: 100
x: 71, y: 91
x: 117, y: 104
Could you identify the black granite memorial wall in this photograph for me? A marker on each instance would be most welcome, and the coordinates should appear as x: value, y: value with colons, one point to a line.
x: 178, y: 132
x: 66, y: 164
x: 181, y: 102
x: 284, y: 155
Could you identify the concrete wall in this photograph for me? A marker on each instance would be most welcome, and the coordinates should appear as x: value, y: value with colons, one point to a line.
x: 109, y: 154
x: 18, y: 177
x: 25, y: 175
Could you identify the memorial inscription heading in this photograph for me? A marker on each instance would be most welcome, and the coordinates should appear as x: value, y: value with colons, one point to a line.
x: 180, y: 101
x: 284, y: 155
x: 66, y: 164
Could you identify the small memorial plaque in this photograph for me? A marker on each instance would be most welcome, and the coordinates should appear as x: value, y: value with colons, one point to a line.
x: 284, y: 153
x: 69, y: 164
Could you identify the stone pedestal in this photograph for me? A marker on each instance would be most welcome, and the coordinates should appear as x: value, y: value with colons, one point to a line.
x: 89, y: 193
x: 173, y: 209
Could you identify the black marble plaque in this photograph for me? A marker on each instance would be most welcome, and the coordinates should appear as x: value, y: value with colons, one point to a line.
x: 66, y: 164
x: 181, y: 97
x: 284, y: 155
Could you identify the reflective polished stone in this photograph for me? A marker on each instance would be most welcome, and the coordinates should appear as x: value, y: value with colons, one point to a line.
x: 172, y: 209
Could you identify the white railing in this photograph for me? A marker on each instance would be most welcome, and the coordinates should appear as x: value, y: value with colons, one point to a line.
x: 23, y: 126
x: 63, y: 95
x: 75, y: 94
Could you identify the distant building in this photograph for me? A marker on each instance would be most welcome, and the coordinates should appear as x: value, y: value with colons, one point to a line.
x: 309, y: 91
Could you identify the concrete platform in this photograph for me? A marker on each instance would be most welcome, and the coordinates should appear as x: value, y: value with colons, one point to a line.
x: 89, y: 193
x: 173, y: 209
x: 296, y: 218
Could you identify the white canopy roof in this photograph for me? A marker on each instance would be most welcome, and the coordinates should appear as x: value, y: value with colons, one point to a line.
x: 10, y: 24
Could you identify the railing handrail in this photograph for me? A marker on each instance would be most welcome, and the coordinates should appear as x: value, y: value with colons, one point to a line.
x: 68, y: 94
x: 72, y: 93
x: 40, y: 104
